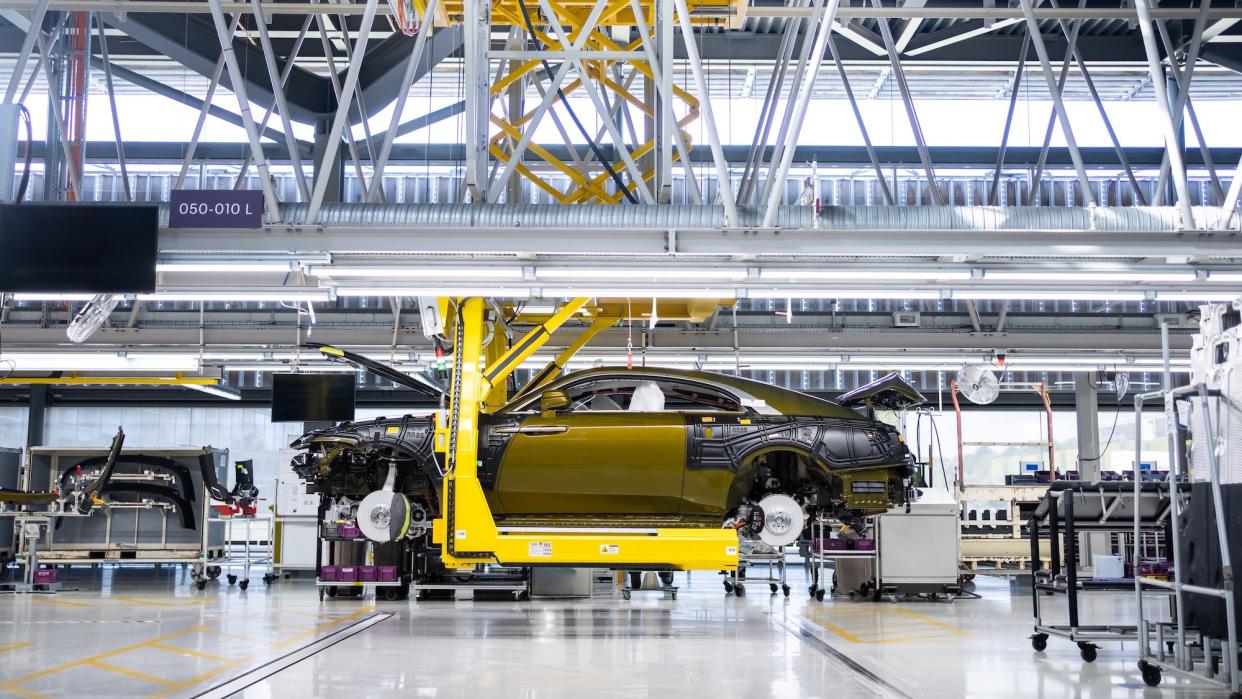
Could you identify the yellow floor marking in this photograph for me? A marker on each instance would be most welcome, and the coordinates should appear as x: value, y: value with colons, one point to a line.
x: 61, y: 602
x: 191, y: 653
x: 297, y: 613
x: 187, y: 683
x: 228, y: 635
x: 10, y: 685
x: 910, y: 639
x: 14, y: 646
x: 128, y: 672
x: 26, y: 693
x: 842, y: 633
x: 151, y: 603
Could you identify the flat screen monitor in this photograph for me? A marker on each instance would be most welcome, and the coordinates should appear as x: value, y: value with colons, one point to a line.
x: 78, y: 248
x: 312, y: 397
x: 1030, y: 466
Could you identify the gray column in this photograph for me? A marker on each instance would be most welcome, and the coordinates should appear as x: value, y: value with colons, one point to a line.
x: 1087, y: 410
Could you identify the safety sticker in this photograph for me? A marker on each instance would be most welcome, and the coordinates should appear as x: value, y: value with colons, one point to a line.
x: 393, y: 429
x: 461, y: 533
x: 539, y: 549
x: 609, y: 549
x: 730, y: 550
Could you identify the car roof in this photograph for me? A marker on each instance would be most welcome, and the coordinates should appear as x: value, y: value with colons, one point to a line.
x: 778, y: 400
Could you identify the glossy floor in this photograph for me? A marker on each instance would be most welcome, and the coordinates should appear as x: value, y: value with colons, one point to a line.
x: 148, y: 633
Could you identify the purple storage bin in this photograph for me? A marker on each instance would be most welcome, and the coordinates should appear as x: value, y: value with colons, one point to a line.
x: 46, y: 576
x: 864, y: 544
x: 367, y: 573
x: 347, y: 574
x: 329, y: 573
x: 387, y: 573
x: 349, y: 531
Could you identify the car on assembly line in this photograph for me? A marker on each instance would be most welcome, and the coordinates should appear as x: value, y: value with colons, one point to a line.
x: 640, y: 447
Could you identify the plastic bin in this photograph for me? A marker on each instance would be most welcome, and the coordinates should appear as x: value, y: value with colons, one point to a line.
x: 367, y: 573
x: 347, y: 574
x: 350, y: 531
x: 329, y: 573
x: 387, y: 573
x: 46, y: 576
x: 864, y: 544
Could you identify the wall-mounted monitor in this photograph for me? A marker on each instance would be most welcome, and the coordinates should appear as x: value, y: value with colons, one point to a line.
x: 78, y: 248
x: 312, y: 397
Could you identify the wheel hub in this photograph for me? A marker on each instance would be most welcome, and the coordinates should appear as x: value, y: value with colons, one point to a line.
x: 783, y: 519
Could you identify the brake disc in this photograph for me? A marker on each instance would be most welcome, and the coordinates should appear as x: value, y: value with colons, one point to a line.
x: 783, y: 520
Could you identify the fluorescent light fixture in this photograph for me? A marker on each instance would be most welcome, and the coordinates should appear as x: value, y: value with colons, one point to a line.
x: 395, y: 272
x: 639, y: 292
x: 216, y: 390
x: 795, y: 293
x: 863, y: 274
x: 1087, y: 276
x: 99, y: 361
x: 290, y: 368
x: 963, y: 36
x: 1001, y: 294
x: 1224, y: 276
x: 490, y: 292
x: 1197, y: 295
x: 639, y: 273
x: 274, y: 295
x: 224, y: 267
x: 53, y: 297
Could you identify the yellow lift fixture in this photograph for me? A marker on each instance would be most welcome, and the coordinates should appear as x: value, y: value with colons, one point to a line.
x: 467, y: 532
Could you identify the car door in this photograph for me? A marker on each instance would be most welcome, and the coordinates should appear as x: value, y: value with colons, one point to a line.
x: 595, y: 458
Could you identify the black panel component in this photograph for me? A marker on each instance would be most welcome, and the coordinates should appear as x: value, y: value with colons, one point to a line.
x: 312, y: 397
x: 184, y: 483
x: 891, y: 392
x: 78, y: 248
x: 184, y: 508
x: 841, y: 444
x: 1201, y: 559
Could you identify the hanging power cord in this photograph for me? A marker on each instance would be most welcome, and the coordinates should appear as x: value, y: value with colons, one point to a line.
x: 21, y: 187
x: 547, y: 67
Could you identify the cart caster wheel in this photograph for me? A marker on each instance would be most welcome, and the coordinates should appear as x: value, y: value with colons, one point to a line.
x: 1088, y: 651
x: 811, y: 590
x: 877, y: 596
x: 1151, y: 674
x: 332, y: 592
x: 321, y: 594
x: 201, y: 584
x: 268, y: 578
x: 391, y: 594
x: 232, y: 579
x: 244, y: 584
x: 625, y: 594
x: 636, y: 580
x: 1039, y: 642
x: 213, y: 572
x: 773, y: 587
x: 666, y: 578
x: 786, y: 589
x: 819, y: 595
x: 739, y: 590
x: 728, y: 587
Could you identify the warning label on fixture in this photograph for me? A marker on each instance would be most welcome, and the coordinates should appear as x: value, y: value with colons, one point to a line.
x: 609, y: 549
x: 539, y: 549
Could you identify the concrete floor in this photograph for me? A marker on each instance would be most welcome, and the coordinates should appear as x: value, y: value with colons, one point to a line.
x: 146, y: 633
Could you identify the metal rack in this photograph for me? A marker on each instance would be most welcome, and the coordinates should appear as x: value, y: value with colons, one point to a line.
x: 1074, y: 508
x: 1173, y: 646
x: 820, y: 528
x: 776, y: 561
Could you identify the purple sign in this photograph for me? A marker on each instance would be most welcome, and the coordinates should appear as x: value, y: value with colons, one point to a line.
x: 215, y: 208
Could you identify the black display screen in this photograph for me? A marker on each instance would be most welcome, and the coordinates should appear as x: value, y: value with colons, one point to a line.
x: 312, y: 397
x: 78, y: 248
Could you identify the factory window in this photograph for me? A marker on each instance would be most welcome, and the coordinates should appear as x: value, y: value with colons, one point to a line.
x: 648, y: 395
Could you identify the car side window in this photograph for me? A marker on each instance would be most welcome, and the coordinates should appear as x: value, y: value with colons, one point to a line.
x: 639, y: 395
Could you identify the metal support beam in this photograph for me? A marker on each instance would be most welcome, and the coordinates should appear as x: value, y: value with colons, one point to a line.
x: 407, y: 82
x: 23, y: 54
x: 1087, y: 415
x: 36, y: 415
x: 278, y: 93
x: 725, y: 185
x: 899, y: 75
x: 993, y: 194
x: 243, y: 107
x: 801, y: 103
x: 342, y: 114
x: 1041, y: 50
x: 862, y: 125
x: 1171, y: 140
x: 116, y: 116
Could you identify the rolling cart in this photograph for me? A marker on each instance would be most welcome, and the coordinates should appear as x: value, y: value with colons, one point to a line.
x: 1177, y: 646
x: 820, y: 554
x: 759, y: 554
x: 1072, y: 508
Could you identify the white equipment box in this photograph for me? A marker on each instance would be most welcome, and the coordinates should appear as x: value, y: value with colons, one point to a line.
x: 919, y: 551
x: 297, y: 519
